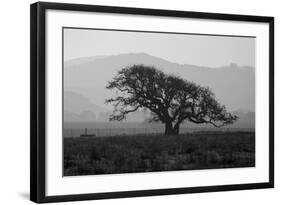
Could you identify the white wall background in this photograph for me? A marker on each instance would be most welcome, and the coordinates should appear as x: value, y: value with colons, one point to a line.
x: 14, y: 103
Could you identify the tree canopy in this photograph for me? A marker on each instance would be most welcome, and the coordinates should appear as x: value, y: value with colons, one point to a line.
x: 170, y: 99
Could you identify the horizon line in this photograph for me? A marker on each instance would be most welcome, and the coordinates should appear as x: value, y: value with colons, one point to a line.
x: 144, y: 53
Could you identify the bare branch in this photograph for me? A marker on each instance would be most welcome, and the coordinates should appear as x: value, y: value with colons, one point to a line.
x: 169, y: 98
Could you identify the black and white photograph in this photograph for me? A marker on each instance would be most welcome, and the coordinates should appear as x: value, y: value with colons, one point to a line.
x: 141, y: 101
x: 144, y: 101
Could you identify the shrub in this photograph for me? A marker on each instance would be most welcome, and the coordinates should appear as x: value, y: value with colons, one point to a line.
x: 213, y: 157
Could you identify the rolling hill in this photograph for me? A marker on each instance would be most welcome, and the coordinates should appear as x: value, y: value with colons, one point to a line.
x: 233, y: 85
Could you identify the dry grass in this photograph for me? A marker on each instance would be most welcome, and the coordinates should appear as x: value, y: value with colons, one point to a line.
x: 143, y: 153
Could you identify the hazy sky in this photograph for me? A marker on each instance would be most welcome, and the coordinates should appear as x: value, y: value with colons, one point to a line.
x: 211, y: 51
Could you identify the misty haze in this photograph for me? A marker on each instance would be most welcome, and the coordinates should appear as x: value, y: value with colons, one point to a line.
x: 114, y: 123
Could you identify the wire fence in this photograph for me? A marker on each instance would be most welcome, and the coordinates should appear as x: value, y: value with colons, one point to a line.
x: 105, y: 132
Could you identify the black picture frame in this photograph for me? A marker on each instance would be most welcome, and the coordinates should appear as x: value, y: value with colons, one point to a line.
x: 38, y: 101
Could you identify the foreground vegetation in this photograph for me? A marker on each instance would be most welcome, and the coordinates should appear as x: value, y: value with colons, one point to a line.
x: 143, y: 153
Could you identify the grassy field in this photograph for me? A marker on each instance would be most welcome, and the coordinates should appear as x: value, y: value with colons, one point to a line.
x: 143, y: 153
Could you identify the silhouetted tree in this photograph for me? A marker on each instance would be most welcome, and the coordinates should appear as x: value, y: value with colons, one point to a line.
x: 170, y: 99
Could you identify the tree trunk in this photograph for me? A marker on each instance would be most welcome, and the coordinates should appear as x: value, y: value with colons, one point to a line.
x: 170, y: 130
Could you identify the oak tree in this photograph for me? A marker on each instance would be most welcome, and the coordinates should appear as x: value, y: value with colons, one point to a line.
x: 170, y: 99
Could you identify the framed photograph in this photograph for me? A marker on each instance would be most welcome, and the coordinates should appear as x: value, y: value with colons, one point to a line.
x: 129, y: 102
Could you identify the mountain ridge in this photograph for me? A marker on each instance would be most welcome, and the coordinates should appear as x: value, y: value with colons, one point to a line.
x: 233, y: 85
x: 74, y: 61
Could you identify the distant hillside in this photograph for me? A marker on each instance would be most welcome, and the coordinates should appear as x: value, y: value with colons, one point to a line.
x: 246, y: 119
x: 78, y: 61
x: 85, y: 116
x: 78, y: 108
x: 233, y: 85
x: 78, y: 103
